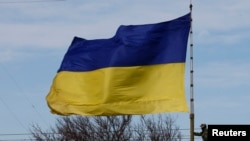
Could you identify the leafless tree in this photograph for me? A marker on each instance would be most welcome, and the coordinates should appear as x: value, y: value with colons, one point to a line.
x: 158, y: 128
x: 110, y: 128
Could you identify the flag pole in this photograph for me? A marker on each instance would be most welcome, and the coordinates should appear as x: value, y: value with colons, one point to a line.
x: 191, y: 77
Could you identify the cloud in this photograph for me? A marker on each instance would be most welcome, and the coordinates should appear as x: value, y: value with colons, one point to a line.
x: 53, y: 25
x: 222, y: 15
x: 7, y: 55
x: 227, y: 38
x: 221, y: 22
x: 223, y: 75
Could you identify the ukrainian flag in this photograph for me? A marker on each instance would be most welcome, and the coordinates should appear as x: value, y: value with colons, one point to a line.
x: 138, y: 71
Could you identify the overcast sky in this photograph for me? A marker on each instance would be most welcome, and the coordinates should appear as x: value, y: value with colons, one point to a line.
x: 35, y: 34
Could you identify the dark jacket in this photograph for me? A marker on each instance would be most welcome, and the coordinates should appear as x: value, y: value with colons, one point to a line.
x: 203, y: 134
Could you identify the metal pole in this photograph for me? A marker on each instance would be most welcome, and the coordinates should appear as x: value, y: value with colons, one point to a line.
x: 191, y: 78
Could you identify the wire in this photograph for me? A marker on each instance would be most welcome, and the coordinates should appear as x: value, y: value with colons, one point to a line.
x: 22, y: 136
x: 12, y: 113
x: 28, y: 1
x: 18, y: 134
x: 22, y: 93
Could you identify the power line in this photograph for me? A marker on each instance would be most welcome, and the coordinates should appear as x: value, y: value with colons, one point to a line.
x: 22, y: 138
x: 12, y: 113
x: 28, y: 1
x: 18, y: 134
x: 183, y: 137
x: 23, y: 95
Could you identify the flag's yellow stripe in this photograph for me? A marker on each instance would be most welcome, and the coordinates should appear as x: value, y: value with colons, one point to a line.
x: 124, y: 90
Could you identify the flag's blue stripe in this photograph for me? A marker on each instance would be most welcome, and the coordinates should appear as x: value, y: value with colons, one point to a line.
x: 133, y: 45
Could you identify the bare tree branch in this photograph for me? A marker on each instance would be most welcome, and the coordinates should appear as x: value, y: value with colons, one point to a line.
x: 110, y: 128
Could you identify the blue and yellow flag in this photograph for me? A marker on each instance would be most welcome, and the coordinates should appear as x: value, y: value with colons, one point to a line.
x: 138, y: 71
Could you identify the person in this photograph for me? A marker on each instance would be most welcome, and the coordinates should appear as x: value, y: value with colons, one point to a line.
x: 203, y: 133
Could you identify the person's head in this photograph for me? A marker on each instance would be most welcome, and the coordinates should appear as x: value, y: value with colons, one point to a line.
x: 203, y: 126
